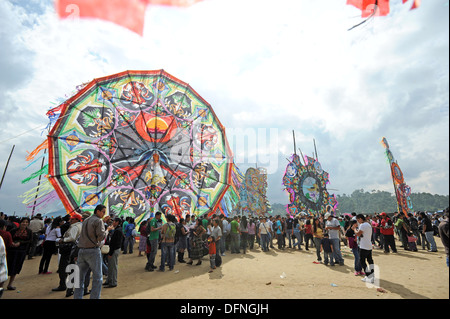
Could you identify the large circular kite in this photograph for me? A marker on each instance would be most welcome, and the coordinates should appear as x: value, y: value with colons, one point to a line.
x: 139, y: 141
x: 306, y: 185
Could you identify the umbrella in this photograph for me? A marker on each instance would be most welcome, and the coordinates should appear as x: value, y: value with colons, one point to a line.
x: 137, y: 142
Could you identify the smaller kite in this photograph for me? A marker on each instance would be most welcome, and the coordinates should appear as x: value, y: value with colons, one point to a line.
x: 127, y: 13
x: 376, y: 7
x: 402, y: 191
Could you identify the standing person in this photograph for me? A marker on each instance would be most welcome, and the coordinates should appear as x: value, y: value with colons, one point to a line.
x: 234, y: 232
x: 181, y: 245
x: 443, y: 231
x: 114, y: 240
x: 387, y: 230
x: 423, y: 238
x: 327, y: 248
x: 308, y: 233
x: 403, y: 230
x: 365, y: 248
x: 37, y: 227
x: 264, y: 234
x: 429, y: 232
x: 414, y: 225
x: 142, y: 238
x: 251, y: 233
x: 317, y: 238
x: 89, y: 255
x: 16, y: 254
x: 153, y: 237
x: 243, y: 231
x: 129, y: 236
x: 65, y: 245
x: 224, y: 234
x: 333, y: 227
x: 52, y: 233
x: 289, y: 229
x: 353, y: 245
x: 168, y: 232
x: 3, y: 265
x: 214, y: 238
x: 197, y: 243
x: 376, y: 231
x: 6, y: 242
x: 279, y: 231
x: 296, y: 231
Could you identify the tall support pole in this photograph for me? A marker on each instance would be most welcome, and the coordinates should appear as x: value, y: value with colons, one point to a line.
x: 39, y: 184
x: 6, y: 167
x: 315, y: 149
x: 295, y: 148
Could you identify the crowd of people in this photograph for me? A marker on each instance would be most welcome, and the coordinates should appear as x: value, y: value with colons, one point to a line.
x: 93, y: 242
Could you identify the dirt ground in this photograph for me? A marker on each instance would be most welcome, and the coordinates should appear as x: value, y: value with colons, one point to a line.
x: 277, y: 274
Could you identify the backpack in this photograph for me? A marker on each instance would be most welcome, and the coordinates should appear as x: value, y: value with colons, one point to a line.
x: 170, y: 232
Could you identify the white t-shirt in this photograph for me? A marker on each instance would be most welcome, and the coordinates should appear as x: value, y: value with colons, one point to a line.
x: 366, y: 241
x: 333, y: 233
x: 265, y: 228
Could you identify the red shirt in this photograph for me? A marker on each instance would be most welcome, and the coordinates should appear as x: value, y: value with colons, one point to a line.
x: 7, y: 238
x: 308, y: 229
x: 388, y: 231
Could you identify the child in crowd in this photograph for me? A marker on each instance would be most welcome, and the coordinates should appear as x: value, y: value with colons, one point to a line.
x: 327, y: 250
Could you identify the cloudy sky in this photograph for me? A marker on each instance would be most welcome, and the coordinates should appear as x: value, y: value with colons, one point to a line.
x: 267, y: 68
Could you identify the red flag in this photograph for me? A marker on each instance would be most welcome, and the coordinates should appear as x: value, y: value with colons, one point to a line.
x: 127, y: 13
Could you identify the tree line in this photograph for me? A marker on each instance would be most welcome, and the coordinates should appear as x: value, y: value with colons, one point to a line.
x: 376, y: 201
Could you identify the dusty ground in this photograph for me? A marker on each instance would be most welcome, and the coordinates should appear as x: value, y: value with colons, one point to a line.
x: 257, y: 275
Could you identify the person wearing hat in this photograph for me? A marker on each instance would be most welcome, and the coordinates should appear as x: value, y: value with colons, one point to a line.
x: 333, y: 227
x: 387, y: 231
x: 65, y: 245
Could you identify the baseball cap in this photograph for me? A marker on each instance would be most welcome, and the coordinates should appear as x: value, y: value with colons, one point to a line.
x: 383, y: 214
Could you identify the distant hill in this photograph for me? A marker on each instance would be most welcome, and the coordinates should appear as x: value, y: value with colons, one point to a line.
x: 361, y: 201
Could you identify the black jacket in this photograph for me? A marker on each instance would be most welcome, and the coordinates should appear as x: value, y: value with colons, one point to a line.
x: 115, y: 240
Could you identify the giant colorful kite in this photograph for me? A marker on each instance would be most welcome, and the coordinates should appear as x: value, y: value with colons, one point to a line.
x: 306, y: 185
x: 253, y: 199
x: 402, y: 191
x: 138, y: 141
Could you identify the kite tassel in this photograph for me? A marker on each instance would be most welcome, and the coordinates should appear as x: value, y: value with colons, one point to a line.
x: 32, y: 155
x: 43, y: 170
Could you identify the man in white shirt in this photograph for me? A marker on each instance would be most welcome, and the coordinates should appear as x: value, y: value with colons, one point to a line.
x: 37, y: 227
x: 264, y: 234
x: 333, y: 227
x: 365, y: 247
